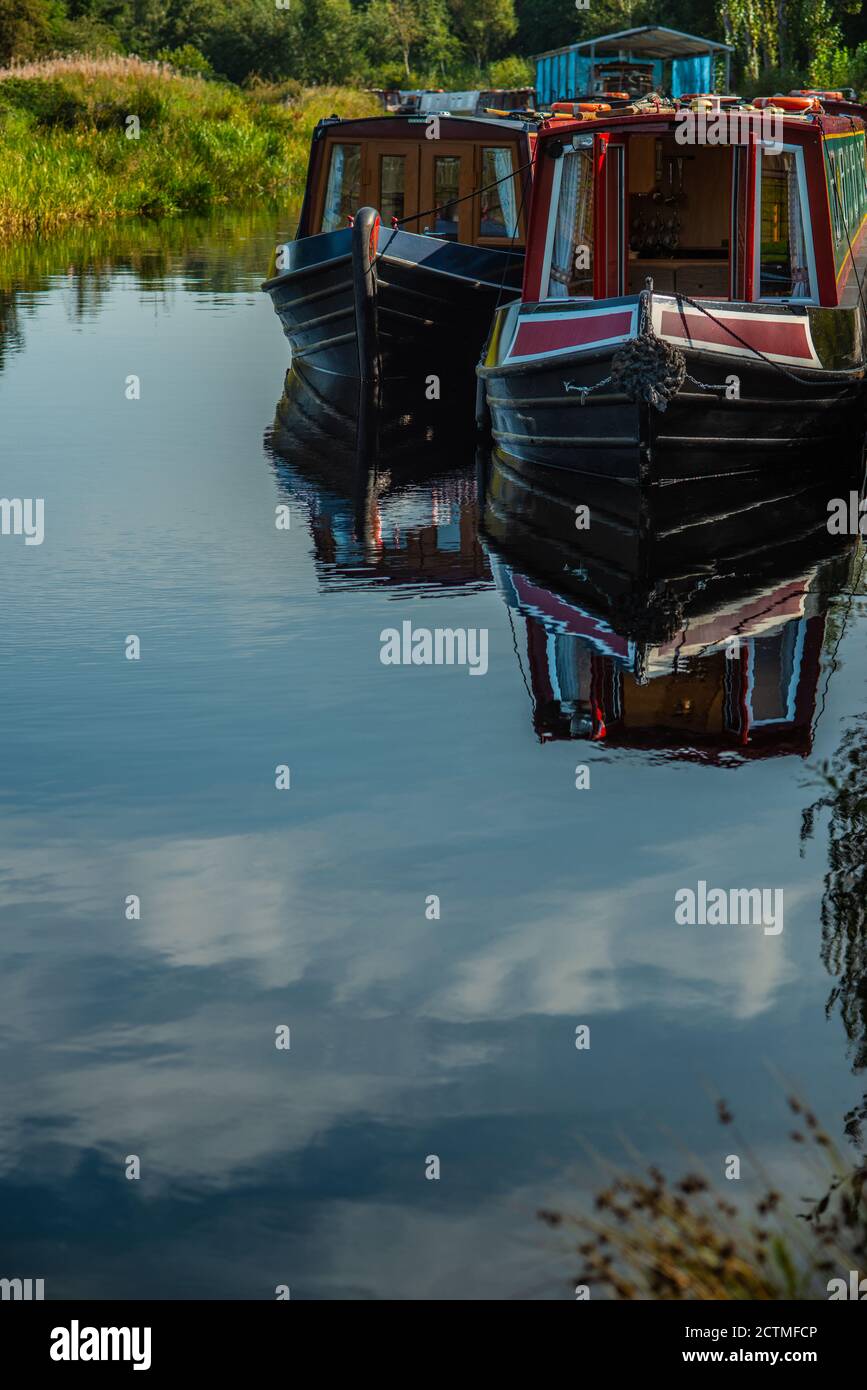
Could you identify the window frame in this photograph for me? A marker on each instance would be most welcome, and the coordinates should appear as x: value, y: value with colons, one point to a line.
x: 579, y: 144
x: 322, y: 193
x: 807, y: 224
x: 520, y: 237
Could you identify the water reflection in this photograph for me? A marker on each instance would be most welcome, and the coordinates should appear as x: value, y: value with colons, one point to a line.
x: 690, y: 626
x: 385, y: 503
x: 214, y: 256
x: 409, y: 1037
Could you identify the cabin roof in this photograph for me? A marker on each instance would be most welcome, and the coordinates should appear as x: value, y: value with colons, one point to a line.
x: 813, y: 126
x: 397, y: 126
x: 650, y: 40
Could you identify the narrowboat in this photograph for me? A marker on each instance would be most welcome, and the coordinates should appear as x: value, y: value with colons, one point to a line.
x: 412, y: 232
x: 694, y: 299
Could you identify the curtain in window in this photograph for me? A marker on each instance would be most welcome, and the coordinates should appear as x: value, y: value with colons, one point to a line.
x: 331, y: 216
x: 564, y: 228
x: 502, y: 169
x: 797, y: 248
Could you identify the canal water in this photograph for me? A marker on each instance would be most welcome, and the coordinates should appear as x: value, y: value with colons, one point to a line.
x: 433, y: 906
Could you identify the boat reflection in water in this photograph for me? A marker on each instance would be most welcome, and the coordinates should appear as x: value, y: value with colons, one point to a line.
x: 694, y: 627
x: 396, y: 505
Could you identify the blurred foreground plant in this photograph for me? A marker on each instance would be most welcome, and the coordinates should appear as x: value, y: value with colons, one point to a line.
x: 651, y: 1238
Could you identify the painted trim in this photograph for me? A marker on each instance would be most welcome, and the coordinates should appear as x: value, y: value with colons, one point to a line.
x: 741, y: 323
x: 628, y: 312
x: 553, y: 206
x: 807, y: 220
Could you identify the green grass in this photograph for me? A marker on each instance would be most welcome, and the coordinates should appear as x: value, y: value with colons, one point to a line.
x: 66, y: 157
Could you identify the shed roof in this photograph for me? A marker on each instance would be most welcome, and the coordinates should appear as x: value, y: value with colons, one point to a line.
x: 651, y: 40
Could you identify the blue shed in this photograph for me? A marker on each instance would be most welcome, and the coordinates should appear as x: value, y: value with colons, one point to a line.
x: 565, y: 73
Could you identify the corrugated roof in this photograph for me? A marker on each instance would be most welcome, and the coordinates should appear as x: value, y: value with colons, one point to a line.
x: 650, y: 40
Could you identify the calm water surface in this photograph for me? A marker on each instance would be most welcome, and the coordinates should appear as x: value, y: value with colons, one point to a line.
x: 409, y: 1037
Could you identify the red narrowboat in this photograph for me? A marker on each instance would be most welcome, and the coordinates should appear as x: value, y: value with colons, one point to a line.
x: 693, y: 300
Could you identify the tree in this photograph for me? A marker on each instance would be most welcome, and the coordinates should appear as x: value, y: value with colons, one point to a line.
x: 484, y: 25
x: 25, y: 28
x: 396, y: 27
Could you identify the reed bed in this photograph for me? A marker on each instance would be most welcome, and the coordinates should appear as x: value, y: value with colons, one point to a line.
x: 66, y: 152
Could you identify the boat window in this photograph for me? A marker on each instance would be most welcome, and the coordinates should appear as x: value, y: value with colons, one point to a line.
x: 392, y: 196
x: 571, y: 273
x: 783, y: 268
x: 343, y: 193
x: 447, y: 171
x: 499, y: 212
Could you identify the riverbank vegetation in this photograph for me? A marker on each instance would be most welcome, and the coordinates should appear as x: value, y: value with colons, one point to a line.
x: 434, y: 43
x: 220, y: 105
x: 98, y: 138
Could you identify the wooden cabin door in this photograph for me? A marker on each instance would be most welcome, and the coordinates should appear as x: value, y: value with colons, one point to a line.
x: 447, y: 175
x: 391, y: 178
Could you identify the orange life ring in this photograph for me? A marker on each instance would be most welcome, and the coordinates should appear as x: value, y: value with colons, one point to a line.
x: 794, y: 104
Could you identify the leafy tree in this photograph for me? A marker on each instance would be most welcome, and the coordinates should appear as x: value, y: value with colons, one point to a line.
x: 25, y: 28
x: 511, y: 73
x: 484, y: 25
x: 397, y: 27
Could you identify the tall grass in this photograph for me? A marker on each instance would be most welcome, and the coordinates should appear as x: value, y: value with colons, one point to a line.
x: 66, y: 152
x: 653, y: 1238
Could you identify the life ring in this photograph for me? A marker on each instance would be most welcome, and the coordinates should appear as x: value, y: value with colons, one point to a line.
x: 815, y: 92
x: 793, y: 104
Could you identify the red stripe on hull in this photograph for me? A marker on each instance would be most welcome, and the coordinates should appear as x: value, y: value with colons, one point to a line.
x: 779, y: 339
x: 546, y: 334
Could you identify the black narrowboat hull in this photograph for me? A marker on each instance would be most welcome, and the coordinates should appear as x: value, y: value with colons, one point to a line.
x: 803, y: 406
x: 388, y: 307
